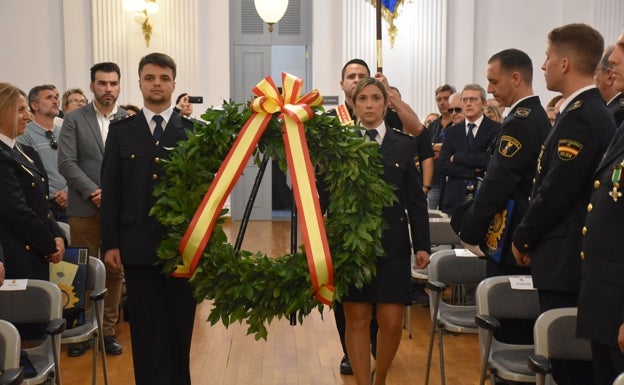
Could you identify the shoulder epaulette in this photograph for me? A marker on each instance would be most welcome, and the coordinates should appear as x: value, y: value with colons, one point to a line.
x: 522, y: 112
x: 121, y: 119
x: 576, y: 105
x: 403, y: 133
x: 622, y: 102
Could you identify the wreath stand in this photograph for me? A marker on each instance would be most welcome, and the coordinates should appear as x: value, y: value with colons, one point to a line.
x: 247, y: 215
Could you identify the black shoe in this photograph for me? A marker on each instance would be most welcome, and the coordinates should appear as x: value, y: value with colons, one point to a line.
x: 112, y: 346
x: 77, y: 349
x: 345, y: 366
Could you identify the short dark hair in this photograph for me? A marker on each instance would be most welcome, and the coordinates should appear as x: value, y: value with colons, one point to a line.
x: 445, y: 87
x: 513, y: 59
x: 33, y: 94
x: 581, y: 41
x: 354, y: 61
x: 158, y: 59
x: 107, y: 67
x: 184, y: 94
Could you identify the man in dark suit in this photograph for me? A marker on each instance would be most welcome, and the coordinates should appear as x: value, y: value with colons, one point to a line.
x: 601, y: 296
x: 162, y: 307
x: 604, y: 79
x: 466, y: 149
x: 81, y: 148
x: 29, y: 235
x: 512, y: 167
x: 549, y: 236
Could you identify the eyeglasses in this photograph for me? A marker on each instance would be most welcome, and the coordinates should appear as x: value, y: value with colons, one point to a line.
x: 456, y: 110
x: 77, y: 101
x: 53, y: 142
x: 471, y: 99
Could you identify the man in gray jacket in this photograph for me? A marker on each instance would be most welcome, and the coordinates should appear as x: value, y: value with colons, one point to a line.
x: 81, y: 148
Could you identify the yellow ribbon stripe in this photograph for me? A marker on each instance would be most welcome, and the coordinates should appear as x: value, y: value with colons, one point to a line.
x: 294, y: 111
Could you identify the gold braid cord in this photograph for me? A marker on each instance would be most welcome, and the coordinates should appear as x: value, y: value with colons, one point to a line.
x: 389, y: 18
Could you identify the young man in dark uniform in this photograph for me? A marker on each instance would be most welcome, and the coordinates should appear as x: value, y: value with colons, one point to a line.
x: 601, y: 297
x: 549, y: 236
x: 162, y: 307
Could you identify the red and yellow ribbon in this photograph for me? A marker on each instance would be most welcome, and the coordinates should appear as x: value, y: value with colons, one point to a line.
x: 294, y: 111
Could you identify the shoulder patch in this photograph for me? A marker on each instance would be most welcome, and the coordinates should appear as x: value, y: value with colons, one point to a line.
x: 123, y: 118
x: 522, y: 112
x: 568, y: 149
x: 403, y: 133
x: 509, y: 146
x: 622, y: 102
x: 576, y: 105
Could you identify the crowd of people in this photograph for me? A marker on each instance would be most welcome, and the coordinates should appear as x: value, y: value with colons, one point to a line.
x: 554, y: 170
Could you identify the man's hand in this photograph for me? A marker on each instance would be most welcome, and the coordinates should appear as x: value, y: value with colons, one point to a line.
x: 96, y: 197
x: 60, y: 198
x: 112, y: 258
x: 422, y: 259
x: 57, y: 256
x: 2, y: 273
x: 522, y: 259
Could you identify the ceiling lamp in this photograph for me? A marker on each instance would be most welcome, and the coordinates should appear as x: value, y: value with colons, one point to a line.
x: 271, y: 11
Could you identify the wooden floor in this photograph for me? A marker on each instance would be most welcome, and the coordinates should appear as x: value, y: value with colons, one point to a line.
x: 307, y: 354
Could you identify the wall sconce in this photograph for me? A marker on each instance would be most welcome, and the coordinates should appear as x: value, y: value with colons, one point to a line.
x: 142, y: 9
x: 271, y: 11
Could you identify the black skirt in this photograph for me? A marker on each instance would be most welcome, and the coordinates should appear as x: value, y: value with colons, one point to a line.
x: 392, y: 284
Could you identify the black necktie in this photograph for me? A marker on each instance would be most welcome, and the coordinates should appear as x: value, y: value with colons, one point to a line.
x: 158, y: 130
x: 470, y: 135
x: 372, y: 134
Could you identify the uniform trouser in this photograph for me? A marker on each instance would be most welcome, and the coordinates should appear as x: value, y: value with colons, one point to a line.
x: 85, y: 231
x: 162, y: 313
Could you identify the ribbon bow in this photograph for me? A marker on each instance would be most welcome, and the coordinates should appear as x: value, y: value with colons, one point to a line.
x: 294, y: 111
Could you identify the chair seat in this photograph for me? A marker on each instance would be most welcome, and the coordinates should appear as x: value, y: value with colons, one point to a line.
x: 463, y: 318
x: 513, y: 360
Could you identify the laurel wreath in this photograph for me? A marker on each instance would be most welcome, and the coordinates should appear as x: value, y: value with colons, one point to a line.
x: 254, y: 287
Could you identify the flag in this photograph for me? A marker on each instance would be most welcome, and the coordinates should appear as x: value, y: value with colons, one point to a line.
x: 390, y: 11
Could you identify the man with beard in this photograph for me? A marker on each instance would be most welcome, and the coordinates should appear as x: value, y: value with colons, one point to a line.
x: 81, y: 149
x: 162, y: 306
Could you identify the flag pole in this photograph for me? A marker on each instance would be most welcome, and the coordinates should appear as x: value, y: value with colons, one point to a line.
x: 378, y: 24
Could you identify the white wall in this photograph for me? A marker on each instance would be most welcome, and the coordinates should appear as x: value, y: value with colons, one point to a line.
x: 51, y: 42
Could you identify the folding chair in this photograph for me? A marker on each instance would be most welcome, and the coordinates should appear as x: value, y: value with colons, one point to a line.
x: 91, y: 329
x: 10, y: 371
x: 37, y: 314
x: 446, y: 268
x: 619, y: 380
x: 555, y: 337
x: 496, y: 300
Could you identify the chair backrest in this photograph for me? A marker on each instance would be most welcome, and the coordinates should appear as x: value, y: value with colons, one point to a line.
x: 555, y: 336
x: 495, y: 297
x: 39, y: 303
x: 10, y: 345
x: 448, y: 268
x: 441, y: 232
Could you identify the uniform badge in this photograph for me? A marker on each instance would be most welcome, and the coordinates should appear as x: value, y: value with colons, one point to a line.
x: 539, y: 159
x: 616, y: 175
x: 522, y: 112
x: 417, y: 163
x: 576, y: 105
x: 509, y: 146
x: 568, y: 149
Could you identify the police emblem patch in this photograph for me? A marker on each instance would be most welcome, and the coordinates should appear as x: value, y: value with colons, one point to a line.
x: 522, y: 112
x: 568, y: 149
x: 509, y: 146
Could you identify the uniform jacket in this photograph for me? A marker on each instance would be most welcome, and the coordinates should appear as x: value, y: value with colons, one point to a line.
x: 465, y: 160
x: 509, y: 174
x: 399, y: 170
x: 130, y: 169
x: 27, y: 228
x: 551, y: 228
x: 80, y: 154
x: 617, y: 107
x: 601, y: 297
